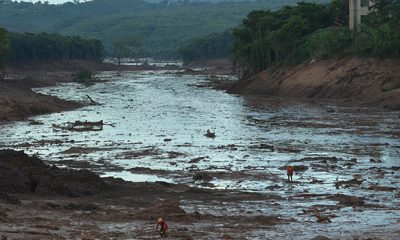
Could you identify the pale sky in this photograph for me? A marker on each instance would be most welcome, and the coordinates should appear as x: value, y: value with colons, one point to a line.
x: 50, y: 1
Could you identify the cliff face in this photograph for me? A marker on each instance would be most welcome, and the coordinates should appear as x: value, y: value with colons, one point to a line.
x: 362, y: 82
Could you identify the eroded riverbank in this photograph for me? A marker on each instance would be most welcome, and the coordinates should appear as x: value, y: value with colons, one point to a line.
x: 155, y: 125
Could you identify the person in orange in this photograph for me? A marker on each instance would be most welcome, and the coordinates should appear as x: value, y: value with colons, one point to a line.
x: 290, y: 173
x: 163, y: 227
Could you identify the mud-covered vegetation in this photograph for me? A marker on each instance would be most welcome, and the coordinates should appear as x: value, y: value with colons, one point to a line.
x: 314, y: 31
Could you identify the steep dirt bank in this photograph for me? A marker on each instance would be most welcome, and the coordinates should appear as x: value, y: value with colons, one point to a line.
x: 361, y: 82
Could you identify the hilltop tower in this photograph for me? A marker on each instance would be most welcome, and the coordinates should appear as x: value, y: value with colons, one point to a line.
x: 357, y: 9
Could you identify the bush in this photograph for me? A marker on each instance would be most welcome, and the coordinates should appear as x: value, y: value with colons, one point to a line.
x: 85, y: 77
x: 326, y: 43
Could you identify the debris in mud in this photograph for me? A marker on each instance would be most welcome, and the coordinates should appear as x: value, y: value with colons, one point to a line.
x: 196, y: 160
x: 381, y: 189
x: 80, y: 126
x: 273, y: 187
x: 173, y: 154
x: 151, y: 151
x: 92, y: 102
x: 264, y: 146
x: 35, y: 122
x: 206, y: 177
x: 321, y: 238
x: 288, y: 150
x: 322, y: 159
x: 375, y: 160
x: 297, y: 168
x: 320, y: 217
x: 347, y: 200
x: 232, y: 147
x: 330, y: 110
x: 348, y: 183
x: 210, y: 134
x: 83, y: 150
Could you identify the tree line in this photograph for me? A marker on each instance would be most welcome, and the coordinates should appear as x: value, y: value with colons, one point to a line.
x: 23, y: 47
x: 307, y: 31
x: 52, y: 46
x: 163, y: 25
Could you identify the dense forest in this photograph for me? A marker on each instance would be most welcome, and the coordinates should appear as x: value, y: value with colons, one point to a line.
x: 23, y: 47
x: 310, y: 31
x: 44, y: 46
x: 163, y: 26
x: 213, y: 46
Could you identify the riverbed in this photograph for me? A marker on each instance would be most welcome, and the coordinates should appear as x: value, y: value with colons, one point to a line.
x: 155, y: 125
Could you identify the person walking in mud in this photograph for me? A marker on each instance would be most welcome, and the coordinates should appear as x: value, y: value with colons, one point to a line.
x: 163, y: 227
x: 290, y: 173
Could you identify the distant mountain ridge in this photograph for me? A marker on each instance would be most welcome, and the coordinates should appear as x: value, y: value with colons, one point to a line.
x: 164, y: 26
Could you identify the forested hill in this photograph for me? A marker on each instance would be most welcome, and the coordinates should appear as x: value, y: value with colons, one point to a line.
x: 164, y: 26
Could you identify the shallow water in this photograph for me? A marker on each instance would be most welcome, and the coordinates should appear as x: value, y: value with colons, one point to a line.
x: 158, y: 120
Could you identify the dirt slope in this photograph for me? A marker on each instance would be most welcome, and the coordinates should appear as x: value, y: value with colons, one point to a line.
x: 363, y: 82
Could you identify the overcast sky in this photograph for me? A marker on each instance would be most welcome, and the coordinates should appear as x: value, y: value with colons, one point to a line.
x: 50, y: 1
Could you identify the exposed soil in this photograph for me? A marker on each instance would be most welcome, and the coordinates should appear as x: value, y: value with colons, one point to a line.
x: 363, y: 82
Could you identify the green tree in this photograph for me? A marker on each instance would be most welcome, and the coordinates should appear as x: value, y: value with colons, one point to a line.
x: 339, y: 10
x: 4, y: 52
x: 127, y: 48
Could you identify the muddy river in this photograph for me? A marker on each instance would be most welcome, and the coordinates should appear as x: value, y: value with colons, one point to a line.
x: 347, y: 160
